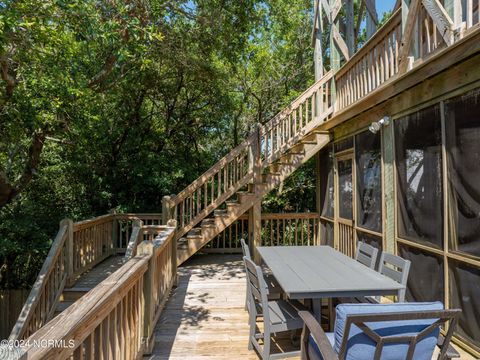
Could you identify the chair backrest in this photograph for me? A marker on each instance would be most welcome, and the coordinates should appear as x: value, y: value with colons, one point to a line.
x: 366, y: 254
x: 391, y: 331
x: 245, y: 249
x: 257, y: 287
x: 395, y: 268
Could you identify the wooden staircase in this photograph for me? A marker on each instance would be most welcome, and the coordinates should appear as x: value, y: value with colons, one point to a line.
x: 250, y: 171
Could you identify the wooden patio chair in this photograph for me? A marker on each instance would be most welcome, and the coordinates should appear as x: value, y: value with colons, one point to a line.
x: 274, y: 289
x: 397, y: 331
x: 277, y: 315
x: 366, y: 254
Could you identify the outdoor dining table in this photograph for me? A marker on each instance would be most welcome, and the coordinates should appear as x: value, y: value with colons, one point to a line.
x: 318, y: 272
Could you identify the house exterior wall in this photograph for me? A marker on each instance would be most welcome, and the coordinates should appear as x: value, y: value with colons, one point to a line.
x: 441, y: 270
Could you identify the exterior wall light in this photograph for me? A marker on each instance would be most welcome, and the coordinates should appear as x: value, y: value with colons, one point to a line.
x: 377, y: 125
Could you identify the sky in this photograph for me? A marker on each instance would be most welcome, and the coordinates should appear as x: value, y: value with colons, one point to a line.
x: 383, y: 6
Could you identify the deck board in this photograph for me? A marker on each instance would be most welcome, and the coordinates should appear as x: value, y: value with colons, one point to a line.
x: 205, y: 317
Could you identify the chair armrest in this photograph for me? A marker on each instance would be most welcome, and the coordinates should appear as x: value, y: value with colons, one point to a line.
x: 319, y: 335
x: 451, y: 353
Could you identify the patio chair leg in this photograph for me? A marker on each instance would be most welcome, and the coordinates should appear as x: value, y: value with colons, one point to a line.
x: 266, y: 345
x: 253, y: 324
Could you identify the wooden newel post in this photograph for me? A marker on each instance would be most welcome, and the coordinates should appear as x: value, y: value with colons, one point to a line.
x: 173, y: 223
x: 115, y: 238
x: 166, y: 209
x: 254, y: 154
x: 147, y: 248
x: 69, y: 224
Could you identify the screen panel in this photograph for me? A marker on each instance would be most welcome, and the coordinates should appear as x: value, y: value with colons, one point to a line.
x: 462, y: 115
x: 418, y: 154
x: 369, y: 181
x: 426, y: 277
x: 465, y: 295
x: 326, y: 182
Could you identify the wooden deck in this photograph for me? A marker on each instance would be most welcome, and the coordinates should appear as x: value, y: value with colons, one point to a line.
x: 205, y: 317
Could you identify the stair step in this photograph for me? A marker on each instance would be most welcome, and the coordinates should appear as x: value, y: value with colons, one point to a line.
x: 269, y: 177
x: 208, y: 221
x: 312, y: 136
x: 244, y: 196
x: 220, y: 212
x: 194, y: 233
x: 73, y: 294
x: 182, y: 244
x: 307, y: 141
x: 274, y: 168
x: 231, y: 204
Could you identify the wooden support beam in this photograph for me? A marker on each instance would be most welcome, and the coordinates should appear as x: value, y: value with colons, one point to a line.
x: 340, y: 42
x: 359, y: 20
x: 318, y: 53
x: 454, y: 10
x: 349, y: 33
x: 372, y: 18
x: 69, y: 224
x: 408, y: 33
x: 388, y: 189
x: 335, y: 9
x: 441, y: 19
x: 370, y: 4
x: 328, y: 12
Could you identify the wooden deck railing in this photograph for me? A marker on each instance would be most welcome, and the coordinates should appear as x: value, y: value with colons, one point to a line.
x: 304, y: 114
x: 115, y: 319
x: 261, y: 148
x: 77, y: 248
x: 280, y: 229
x: 374, y: 64
x: 43, y: 298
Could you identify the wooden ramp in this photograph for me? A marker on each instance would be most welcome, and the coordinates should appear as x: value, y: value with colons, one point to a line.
x: 205, y: 317
x: 88, y: 281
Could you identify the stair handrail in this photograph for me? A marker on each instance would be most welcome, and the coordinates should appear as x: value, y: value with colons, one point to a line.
x: 197, y: 200
x: 176, y: 199
x: 55, y: 265
x: 138, y: 291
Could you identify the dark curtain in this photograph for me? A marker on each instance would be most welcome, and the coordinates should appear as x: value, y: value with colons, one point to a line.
x: 375, y: 241
x: 462, y: 118
x: 345, y: 189
x: 418, y: 155
x: 326, y: 233
x: 465, y: 294
x: 425, y: 280
x: 326, y: 182
x: 369, y: 181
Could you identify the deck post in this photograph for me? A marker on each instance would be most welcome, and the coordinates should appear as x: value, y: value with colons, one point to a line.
x: 255, y: 229
x: 147, y: 248
x: 115, y: 239
x: 69, y: 224
x: 173, y: 223
x: 371, y: 18
x: 388, y: 189
x: 166, y: 211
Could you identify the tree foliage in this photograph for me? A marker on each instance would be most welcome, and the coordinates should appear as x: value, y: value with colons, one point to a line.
x: 113, y: 104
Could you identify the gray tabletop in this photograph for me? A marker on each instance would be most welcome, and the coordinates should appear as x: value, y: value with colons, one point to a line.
x: 314, y: 272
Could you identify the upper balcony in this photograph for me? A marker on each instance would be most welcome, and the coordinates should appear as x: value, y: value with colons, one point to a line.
x: 415, y: 36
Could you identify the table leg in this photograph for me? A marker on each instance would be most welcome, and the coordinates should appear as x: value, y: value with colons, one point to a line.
x: 317, y: 309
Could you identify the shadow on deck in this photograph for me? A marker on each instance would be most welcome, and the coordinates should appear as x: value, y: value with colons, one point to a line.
x: 205, y: 315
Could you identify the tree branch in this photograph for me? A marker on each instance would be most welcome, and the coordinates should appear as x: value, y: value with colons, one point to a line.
x: 9, y: 191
